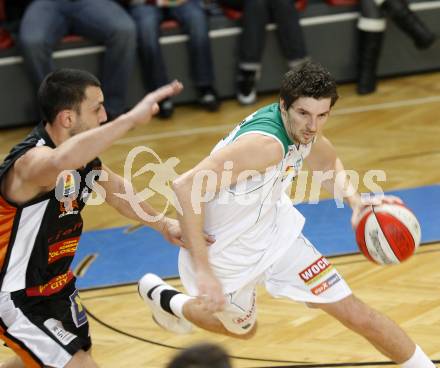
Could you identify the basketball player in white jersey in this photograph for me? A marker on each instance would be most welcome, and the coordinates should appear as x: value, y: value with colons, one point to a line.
x: 258, y: 231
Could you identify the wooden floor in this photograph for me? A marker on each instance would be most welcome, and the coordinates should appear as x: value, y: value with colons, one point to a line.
x: 396, y: 130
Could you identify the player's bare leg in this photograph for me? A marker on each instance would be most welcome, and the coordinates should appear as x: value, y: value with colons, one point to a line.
x: 81, y: 359
x: 14, y: 362
x: 378, y: 329
x: 175, y: 311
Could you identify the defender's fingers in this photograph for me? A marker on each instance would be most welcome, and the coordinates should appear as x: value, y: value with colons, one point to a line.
x: 168, y: 90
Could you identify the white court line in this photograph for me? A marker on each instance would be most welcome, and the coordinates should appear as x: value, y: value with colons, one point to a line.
x: 175, y: 133
x: 225, y: 127
x: 387, y: 105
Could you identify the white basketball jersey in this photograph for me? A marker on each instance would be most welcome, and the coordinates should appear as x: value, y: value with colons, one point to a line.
x: 258, y: 202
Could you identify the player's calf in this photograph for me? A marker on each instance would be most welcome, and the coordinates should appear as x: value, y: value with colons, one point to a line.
x: 81, y: 359
x: 381, y: 331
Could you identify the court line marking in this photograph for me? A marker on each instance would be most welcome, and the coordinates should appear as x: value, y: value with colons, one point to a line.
x: 153, y: 342
x: 333, y: 258
x: 296, y: 364
x: 225, y: 127
x: 83, y: 266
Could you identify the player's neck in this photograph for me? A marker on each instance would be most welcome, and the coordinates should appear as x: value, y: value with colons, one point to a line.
x: 57, y: 134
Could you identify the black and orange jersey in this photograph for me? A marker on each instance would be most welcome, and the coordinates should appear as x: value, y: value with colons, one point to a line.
x: 38, y: 239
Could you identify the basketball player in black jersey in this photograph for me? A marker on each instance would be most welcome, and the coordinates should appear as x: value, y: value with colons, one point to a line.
x: 41, y: 317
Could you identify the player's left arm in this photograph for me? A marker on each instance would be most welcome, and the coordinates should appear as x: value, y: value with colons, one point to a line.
x: 113, y: 184
x: 323, y: 157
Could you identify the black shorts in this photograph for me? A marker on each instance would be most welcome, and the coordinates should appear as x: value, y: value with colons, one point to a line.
x: 44, y: 330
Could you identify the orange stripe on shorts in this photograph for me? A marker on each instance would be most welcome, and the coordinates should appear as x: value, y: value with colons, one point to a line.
x: 27, y: 358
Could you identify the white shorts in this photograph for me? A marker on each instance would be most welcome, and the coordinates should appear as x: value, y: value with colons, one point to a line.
x: 301, y: 274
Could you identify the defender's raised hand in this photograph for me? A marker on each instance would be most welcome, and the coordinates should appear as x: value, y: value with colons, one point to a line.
x: 148, y: 106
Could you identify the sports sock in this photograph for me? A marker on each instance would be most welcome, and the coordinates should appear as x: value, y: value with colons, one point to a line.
x: 418, y: 360
x: 170, y: 300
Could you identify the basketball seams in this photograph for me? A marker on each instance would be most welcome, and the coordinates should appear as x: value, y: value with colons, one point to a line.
x: 407, y: 217
x: 360, y: 237
x: 388, y: 255
x: 401, y: 241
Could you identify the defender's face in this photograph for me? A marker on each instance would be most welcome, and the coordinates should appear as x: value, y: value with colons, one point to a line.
x: 305, y: 118
x: 91, y: 113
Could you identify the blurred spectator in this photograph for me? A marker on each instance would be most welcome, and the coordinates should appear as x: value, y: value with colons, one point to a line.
x: 191, y: 16
x: 256, y: 14
x: 372, y: 26
x: 14, y: 10
x: 46, y: 22
x: 201, y: 356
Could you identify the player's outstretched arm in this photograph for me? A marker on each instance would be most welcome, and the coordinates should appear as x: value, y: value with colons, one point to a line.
x: 323, y: 158
x: 120, y: 194
x: 251, y: 152
x: 42, y: 165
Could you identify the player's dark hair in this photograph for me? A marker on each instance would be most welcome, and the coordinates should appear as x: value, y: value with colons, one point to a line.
x: 201, y: 356
x: 308, y: 79
x: 64, y: 89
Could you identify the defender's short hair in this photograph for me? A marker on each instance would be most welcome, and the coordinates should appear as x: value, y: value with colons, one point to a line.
x: 64, y: 89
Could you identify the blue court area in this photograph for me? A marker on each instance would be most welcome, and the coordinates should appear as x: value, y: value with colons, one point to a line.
x: 123, y: 257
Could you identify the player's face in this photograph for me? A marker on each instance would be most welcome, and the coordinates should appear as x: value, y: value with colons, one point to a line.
x: 305, y: 118
x: 91, y: 113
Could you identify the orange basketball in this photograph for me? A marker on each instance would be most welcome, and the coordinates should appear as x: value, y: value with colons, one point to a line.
x: 388, y: 234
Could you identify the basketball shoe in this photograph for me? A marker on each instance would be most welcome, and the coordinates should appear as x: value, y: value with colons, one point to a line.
x: 157, y: 294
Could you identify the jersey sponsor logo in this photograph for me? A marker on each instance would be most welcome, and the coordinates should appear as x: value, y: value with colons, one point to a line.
x: 291, y: 171
x: 79, y: 315
x: 327, y: 284
x: 85, y: 194
x: 68, y: 208
x: 69, y: 185
x: 64, y: 233
x: 55, y: 285
x: 316, y: 270
x: 57, y: 329
x: 65, y: 248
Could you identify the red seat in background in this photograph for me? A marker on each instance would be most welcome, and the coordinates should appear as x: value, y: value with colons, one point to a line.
x: 6, y: 40
x: 342, y: 2
x: 167, y: 24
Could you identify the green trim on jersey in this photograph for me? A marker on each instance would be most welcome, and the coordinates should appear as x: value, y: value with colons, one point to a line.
x: 268, y: 120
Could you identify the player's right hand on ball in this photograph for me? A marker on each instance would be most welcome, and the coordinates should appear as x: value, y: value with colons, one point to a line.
x: 211, y: 293
x: 148, y: 106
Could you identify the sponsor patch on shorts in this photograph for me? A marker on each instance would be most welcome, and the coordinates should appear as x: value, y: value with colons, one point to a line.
x: 325, y: 285
x: 316, y: 271
x: 79, y: 315
x: 56, y: 328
